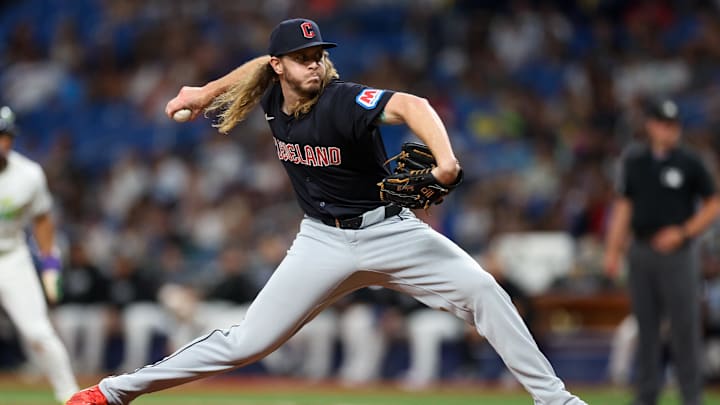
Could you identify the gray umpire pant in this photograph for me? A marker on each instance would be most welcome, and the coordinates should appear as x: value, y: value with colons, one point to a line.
x: 666, y: 286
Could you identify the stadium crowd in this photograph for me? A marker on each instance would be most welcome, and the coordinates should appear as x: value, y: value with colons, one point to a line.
x: 159, y: 220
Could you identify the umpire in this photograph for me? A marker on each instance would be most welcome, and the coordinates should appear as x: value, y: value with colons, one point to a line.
x: 667, y: 198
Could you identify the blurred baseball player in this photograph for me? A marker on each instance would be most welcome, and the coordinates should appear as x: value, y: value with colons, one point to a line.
x: 24, y: 198
x: 326, y: 134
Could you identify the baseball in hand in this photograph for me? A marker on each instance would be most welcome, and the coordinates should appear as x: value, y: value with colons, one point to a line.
x: 182, y: 115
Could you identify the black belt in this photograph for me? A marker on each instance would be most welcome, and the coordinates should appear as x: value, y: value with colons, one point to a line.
x: 356, y: 222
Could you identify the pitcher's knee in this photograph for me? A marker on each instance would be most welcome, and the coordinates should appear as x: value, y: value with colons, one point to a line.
x: 480, y: 283
x: 480, y: 291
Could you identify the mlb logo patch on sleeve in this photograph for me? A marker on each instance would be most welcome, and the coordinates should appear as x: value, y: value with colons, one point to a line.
x: 369, y: 98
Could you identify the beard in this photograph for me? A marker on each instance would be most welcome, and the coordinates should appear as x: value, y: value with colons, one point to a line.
x: 304, y: 89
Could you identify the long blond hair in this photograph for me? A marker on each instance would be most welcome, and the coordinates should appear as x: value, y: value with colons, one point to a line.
x: 235, y: 103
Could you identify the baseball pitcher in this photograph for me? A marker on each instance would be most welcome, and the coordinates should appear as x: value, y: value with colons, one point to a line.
x: 358, y: 229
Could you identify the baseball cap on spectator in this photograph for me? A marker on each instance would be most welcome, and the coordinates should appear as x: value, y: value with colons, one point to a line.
x: 293, y: 35
x: 664, y: 110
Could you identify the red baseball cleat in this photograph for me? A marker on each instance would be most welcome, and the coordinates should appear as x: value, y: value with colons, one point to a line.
x: 88, y: 396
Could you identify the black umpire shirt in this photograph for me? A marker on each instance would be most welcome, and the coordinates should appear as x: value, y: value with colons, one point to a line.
x: 663, y: 191
x: 334, y: 155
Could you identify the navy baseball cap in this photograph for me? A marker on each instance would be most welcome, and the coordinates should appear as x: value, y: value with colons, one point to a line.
x: 664, y: 110
x: 293, y: 35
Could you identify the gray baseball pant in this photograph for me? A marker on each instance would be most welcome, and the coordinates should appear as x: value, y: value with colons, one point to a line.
x: 325, y: 263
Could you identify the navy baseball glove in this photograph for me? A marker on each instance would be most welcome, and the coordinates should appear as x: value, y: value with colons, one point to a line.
x: 412, y: 184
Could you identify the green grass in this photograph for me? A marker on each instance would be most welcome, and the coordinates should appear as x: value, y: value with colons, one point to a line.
x: 364, y: 399
x: 282, y: 394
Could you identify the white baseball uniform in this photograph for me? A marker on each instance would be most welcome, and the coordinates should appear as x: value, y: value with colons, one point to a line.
x: 24, y: 195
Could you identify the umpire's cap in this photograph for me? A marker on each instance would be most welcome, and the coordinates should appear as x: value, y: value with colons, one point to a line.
x: 7, y: 121
x: 663, y: 109
x: 293, y: 35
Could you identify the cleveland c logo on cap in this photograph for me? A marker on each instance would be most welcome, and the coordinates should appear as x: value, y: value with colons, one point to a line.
x: 307, y: 30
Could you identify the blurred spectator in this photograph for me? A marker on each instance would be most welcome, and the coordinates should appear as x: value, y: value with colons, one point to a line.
x: 219, y: 305
x: 475, y: 346
x: 427, y: 330
x: 367, y: 323
x: 517, y: 36
x: 82, y: 316
x: 133, y: 293
x: 710, y: 256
